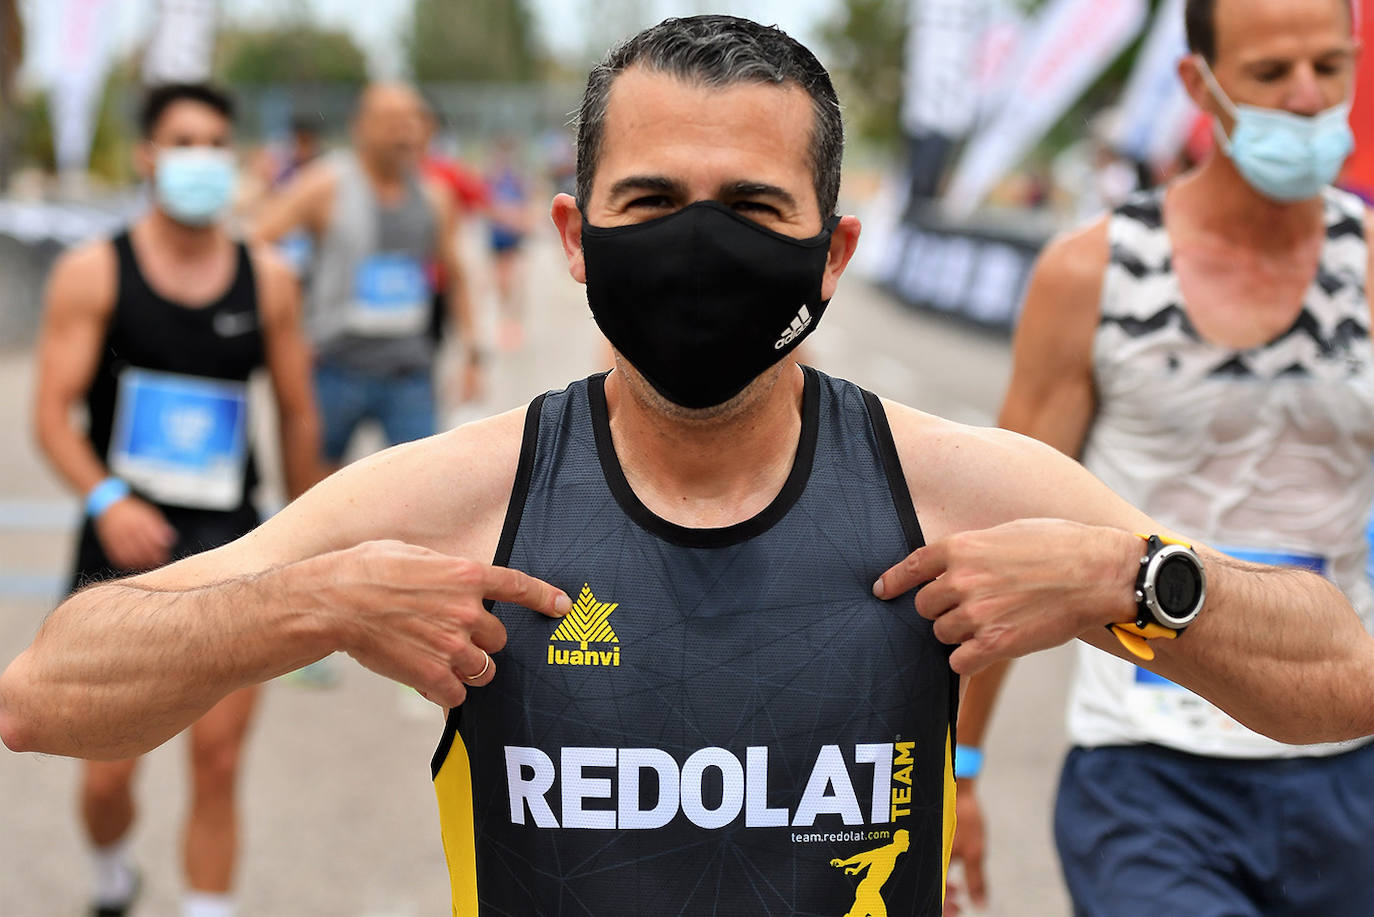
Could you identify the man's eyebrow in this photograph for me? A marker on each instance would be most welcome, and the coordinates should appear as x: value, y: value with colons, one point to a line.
x: 657, y: 184
x: 740, y: 189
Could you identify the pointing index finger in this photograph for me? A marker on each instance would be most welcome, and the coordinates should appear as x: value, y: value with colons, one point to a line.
x: 916, y: 569
x: 506, y: 585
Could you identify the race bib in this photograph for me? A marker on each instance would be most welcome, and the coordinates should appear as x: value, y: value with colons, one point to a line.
x: 391, y: 296
x: 182, y: 440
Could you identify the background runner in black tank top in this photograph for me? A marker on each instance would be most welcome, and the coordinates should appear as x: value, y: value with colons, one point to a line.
x: 805, y: 723
x: 221, y: 340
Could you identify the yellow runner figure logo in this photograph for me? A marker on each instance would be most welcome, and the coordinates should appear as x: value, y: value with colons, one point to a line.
x: 868, y: 900
x: 584, y: 625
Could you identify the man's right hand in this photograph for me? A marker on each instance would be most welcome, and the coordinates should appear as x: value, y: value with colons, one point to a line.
x: 417, y: 616
x: 135, y: 535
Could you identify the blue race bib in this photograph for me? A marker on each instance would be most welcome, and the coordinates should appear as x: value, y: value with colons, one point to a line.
x: 182, y: 440
x: 391, y: 295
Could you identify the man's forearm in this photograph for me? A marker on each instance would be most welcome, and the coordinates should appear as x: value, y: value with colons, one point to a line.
x: 118, y: 669
x: 1280, y: 650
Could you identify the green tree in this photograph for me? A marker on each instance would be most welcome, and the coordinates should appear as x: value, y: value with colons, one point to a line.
x: 479, y: 40
x: 866, y: 39
x: 11, y: 55
x: 297, y: 54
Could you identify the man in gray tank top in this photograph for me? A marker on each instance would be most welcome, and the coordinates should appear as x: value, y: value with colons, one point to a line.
x: 380, y: 230
x: 1205, y: 349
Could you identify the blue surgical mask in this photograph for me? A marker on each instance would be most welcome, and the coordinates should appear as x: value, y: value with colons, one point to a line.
x: 1283, y: 156
x: 194, y: 185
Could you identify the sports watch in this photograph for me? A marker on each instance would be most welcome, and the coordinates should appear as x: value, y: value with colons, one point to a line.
x: 1169, y: 591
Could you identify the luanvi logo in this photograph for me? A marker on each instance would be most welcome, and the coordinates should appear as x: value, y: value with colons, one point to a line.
x: 586, y: 624
x: 792, y: 331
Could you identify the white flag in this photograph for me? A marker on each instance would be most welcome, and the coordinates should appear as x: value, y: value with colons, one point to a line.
x: 1070, y: 44
x: 1156, y: 113
x: 83, y: 47
x: 183, y: 42
x: 939, y: 95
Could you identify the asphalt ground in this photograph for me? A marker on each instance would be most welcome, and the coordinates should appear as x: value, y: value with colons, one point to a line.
x: 338, y: 811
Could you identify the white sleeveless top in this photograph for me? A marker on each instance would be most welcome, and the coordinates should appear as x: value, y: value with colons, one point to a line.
x: 1265, y: 453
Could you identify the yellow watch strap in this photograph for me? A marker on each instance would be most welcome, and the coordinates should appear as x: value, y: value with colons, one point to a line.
x: 1178, y: 541
x: 1133, y: 637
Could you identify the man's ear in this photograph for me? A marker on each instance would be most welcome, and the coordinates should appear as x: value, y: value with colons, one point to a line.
x: 1195, y: 84
x: 568, y: 220
x: 843, y: 241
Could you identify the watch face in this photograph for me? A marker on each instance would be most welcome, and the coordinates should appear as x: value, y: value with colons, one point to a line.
x: 1178, y: 586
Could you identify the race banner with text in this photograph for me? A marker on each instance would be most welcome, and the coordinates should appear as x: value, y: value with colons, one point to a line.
x: 1070, y: 43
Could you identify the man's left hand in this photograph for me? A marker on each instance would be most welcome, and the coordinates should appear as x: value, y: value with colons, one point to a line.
x: 1018, y: 588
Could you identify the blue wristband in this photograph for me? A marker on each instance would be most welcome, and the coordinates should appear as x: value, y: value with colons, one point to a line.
x: 968, y: 762
x: 104, y: 495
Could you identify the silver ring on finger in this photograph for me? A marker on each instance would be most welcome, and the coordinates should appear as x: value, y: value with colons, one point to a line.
x: 481, y: 673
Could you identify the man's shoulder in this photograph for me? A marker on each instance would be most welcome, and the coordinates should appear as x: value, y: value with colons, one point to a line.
x: 448, y: 492
x: 1079, y: 256
x: 930, y: 435
x: 970, y: 477
x: 85, y: 278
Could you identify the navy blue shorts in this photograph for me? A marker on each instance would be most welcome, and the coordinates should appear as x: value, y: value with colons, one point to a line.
x: 1144, y: 831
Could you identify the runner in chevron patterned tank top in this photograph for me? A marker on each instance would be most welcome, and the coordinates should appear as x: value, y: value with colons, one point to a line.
x: 1205, y: 349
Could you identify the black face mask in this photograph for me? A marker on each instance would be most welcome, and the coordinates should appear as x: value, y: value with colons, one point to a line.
x: 702, y: 301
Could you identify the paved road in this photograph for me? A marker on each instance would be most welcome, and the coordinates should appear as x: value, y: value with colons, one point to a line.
x: 340, y: 815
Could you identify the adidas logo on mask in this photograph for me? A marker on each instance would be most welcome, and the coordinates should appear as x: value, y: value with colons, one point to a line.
x: 794, y: 330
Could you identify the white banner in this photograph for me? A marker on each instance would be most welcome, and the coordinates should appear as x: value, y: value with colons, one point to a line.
x: 183, y: 42
x: 938, y: 96
x: 1156, y: 113
x: 1004, y: 29
x: 83, y: 52
x: 1070, y: 44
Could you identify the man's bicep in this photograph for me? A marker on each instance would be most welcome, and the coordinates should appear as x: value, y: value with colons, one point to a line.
x: 77, y: 303
x: 968, y: 478
x: 447, y: 493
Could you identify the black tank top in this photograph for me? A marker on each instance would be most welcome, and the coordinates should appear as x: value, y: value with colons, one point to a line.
x: 728, y: 722
x: 222, y: 340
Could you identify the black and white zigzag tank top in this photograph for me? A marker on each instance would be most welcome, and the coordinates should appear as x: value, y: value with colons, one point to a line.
x: 1266, y: 453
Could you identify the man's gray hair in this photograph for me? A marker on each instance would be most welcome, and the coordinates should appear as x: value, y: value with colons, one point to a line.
x: 718, y: 51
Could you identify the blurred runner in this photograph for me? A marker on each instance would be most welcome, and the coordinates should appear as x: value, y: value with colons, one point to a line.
x: 155, y: 333
x: 1206, y: 350
x: 305, y: 148
x: 511, y: 219
x: 378, y: 226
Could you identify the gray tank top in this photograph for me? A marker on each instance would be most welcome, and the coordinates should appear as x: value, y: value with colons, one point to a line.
x: 369, y: 299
